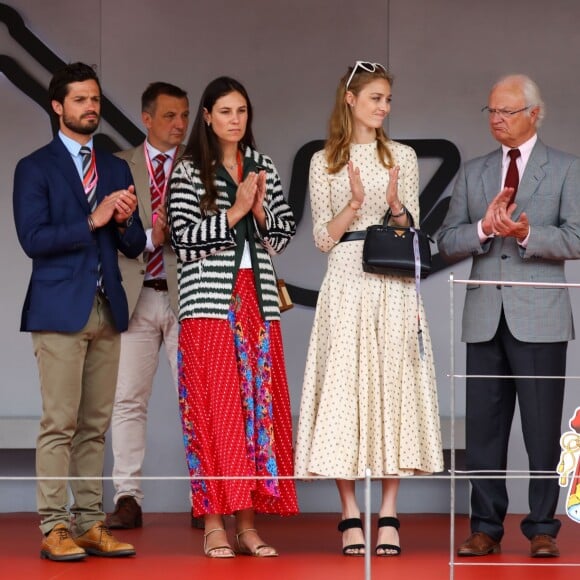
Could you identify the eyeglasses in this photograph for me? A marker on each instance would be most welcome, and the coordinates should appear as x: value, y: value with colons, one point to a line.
x: 503, y: 113
x: 368, y: 66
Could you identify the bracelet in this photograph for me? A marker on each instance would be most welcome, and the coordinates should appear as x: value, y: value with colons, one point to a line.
x: 401, y: 213
x: 91, y: 223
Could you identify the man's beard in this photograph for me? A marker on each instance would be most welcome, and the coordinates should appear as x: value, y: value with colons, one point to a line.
x: 81, y: 127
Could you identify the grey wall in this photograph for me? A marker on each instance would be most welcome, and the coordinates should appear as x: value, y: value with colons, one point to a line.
x: 445, y: 54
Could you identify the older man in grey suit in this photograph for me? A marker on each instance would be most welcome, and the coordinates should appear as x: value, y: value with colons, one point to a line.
x: 518, y: 331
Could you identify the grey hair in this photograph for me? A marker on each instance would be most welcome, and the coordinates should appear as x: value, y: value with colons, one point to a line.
x: 531, y: 93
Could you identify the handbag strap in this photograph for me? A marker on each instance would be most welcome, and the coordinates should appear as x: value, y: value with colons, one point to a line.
x: 389, y: 215
x: 358, y: 235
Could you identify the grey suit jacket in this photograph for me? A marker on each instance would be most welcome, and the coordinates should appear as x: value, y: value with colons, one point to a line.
x: 549, y: 194
x: 133, y: 271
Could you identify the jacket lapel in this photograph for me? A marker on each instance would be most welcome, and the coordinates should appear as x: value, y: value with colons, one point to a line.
x: 532, y: 177
x: 64, y: 162
x: 103, y: 189
x: 489, y: 175
x: 141, y: 177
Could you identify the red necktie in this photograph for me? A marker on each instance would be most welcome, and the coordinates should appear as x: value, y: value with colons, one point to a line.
x: 89, y: 176
x: 155, y: 263
x: 512, y: 177
x: 90, y: 187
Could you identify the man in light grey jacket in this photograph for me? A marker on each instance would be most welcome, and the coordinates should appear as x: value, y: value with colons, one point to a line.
x: 516, y: 212
x: 150, y: 282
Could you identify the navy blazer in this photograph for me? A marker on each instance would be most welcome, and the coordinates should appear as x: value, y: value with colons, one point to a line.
x: 50, y: 213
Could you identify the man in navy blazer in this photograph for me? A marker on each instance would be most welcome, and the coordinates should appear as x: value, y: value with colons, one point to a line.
x: 75, y: 308
x: 517, y: 334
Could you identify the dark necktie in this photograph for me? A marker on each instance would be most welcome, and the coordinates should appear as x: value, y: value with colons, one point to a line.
x: 155, y: 262
x: 512, y: 177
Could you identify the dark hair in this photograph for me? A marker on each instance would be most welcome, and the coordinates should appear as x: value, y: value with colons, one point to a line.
x: 76, y: 72
x: 153, y: 91
x: 203, y: 146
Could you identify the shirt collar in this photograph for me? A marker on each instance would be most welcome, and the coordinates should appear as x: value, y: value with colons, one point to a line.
x: 525, y: 149
x: 153, y: 152
x: 74, y: 147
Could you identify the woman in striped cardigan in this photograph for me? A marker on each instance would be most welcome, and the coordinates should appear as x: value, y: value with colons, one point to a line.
x: 227, y: 216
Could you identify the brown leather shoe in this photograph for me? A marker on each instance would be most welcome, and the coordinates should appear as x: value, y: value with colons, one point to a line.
x: 479, y: 544
x: 59, y: 545
x: 544, y: 546
x: 98, y: 541
x: 127, y: 514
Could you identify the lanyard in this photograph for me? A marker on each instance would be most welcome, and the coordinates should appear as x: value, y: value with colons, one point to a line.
x: 160, y: 192
x: 418, y: 291
x: 240, y: 166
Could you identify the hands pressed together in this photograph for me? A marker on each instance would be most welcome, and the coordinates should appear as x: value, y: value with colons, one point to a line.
x: 118, y: 205
x: 498, y: 217
x: 250, y: 197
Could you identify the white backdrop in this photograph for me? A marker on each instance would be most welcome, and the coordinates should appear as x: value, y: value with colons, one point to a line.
x: 445, y: 54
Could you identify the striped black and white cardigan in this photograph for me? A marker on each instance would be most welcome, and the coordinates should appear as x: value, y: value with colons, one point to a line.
x: 205, y: 245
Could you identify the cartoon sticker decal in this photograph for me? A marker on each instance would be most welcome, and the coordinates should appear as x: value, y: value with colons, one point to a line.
x: 569, y: 466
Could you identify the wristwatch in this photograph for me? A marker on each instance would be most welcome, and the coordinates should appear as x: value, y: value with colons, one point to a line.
x: 127, y: 223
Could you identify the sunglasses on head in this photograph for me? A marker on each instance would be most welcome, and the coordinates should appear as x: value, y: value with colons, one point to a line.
x: 368, y: 66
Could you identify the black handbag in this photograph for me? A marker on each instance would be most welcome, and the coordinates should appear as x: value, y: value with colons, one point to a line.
x: 402, y: 251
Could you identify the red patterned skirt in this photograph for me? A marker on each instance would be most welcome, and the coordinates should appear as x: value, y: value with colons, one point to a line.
x: 235, y: 409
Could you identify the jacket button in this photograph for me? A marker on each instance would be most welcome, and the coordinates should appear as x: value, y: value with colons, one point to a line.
x: 504, y: 256
x: 498, y: 286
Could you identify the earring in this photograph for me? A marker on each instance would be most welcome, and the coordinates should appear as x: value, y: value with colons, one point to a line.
x: 208, y: 123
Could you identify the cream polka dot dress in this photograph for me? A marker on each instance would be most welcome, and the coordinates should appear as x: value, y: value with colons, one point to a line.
x: 368, y: 398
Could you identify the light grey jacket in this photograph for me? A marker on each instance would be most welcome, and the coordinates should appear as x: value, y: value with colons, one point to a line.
x: 549, y: 194
x: 133, y: 271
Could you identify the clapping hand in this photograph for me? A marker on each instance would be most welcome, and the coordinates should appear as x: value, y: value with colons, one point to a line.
x: 393, y: 190
x: 498, y: 217
x: 258, y: 207
x: 125, y: 204
x: 356, y: 185
x: 160, y: 230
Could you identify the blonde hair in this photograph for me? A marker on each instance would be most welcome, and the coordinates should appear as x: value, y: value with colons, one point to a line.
x: 337, y: 147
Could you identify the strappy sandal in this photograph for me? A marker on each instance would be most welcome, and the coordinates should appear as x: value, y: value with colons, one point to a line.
x: 211, y: 552
x: 261, y: 551
x: 347, y: 525
x: 388, y: 522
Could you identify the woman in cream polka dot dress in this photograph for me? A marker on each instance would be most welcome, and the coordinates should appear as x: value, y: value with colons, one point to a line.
x: 369, y: 398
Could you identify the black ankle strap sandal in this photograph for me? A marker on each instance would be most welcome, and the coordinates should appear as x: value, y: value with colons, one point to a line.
x: 347, y: 525
x: 388, y: 522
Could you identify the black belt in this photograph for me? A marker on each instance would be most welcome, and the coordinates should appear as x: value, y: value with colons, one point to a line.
x: 158, y: 284
x: 353, y: 236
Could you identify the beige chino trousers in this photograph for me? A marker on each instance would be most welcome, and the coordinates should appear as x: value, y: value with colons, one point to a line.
x: 78, y: 374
